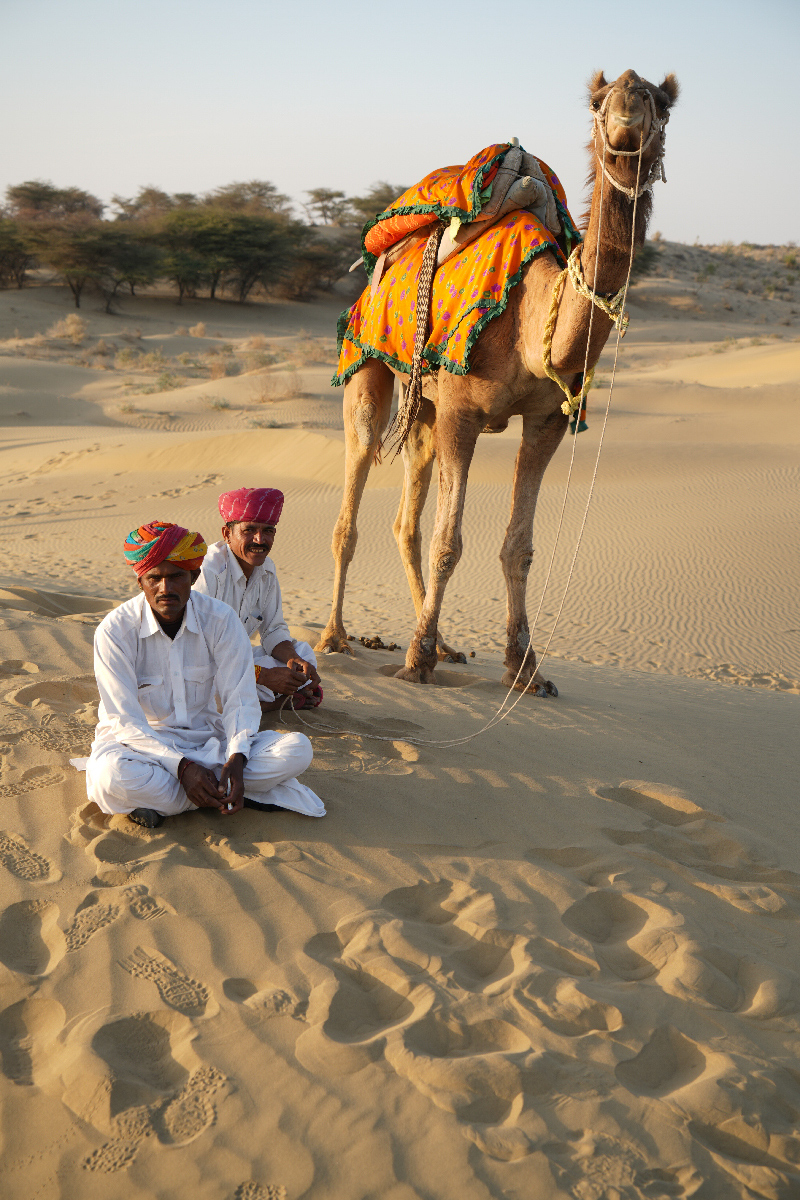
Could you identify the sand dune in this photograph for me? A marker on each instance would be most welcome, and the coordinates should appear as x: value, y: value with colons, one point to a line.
x: 556, y: 961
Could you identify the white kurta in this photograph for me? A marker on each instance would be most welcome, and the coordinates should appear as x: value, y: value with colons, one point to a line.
x: 256, y: 601
x: 157, y: 706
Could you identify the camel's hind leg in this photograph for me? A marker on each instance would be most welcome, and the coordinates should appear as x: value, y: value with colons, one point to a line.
x: 418, y: 456
x: 539, y: 444
x: 367, y: 404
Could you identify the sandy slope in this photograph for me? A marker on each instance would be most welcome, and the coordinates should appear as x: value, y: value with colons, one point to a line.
x: 556, y: 961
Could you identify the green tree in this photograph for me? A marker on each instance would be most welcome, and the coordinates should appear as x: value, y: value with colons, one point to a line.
x: 327, y: 206
x: 148, y: 202
x: 257, y: 250
x: 376, y: 199
x: 73, y: 247
x: 38, y: 199
x: 15, y: 255
x: 255, y: 196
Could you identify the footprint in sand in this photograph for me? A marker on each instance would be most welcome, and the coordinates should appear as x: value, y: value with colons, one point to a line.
x: 145, y: 907
x: 31, y: 941
x: 65, y: 697
x: 667, y: 1062
x: 29, y: 1031
x: 609, y: 920
x: 177, y: 990
x: 17, y: 857
x: 265, y: 1002
x: 259, y: 1191
x: 32, y: 780
x: 92, y: 916
x: 114, y: 1156
x: 176, y: 1119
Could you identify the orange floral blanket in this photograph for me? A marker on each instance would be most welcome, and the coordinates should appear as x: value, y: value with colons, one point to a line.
x: 469, y: 289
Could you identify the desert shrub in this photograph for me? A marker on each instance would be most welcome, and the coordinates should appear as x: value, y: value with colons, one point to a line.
x: 220, y: 367
x: 128, y: 409
x: 130, y: 335
x: 309, y: 350
x: 260, y: 358
x: 101, y: 348
x: 72, y: 328
x: 266, y: 389
x: 182, y: 331
x: 259, y: 342
x: 198, y: 330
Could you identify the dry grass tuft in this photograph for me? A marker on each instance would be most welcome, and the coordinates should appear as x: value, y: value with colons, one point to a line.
x: 266, y: 389
x: 72, y: 328
x: 198, y: 330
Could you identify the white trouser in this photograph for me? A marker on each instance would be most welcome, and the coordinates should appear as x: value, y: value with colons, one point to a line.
x: 260, y: 659
x: 119, y: 779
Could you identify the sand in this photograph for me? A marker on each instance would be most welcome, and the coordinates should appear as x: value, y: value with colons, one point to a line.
x: 559, y: 960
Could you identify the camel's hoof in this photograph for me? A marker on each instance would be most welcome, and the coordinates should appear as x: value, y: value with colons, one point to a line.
x: 333, y: 645
x: 550, y: 688
x: 455, y: 657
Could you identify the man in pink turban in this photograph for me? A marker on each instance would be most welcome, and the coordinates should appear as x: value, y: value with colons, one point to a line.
x: 161, y: 660
x: 239, y: 571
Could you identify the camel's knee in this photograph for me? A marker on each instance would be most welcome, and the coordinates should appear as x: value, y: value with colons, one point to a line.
x: 516, y: 562
x: 345, y: 537
x: 368, y: 421
x: 445, y: 563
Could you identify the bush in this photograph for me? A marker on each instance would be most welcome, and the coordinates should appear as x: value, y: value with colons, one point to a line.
x: 198, y: 330
x: 72, y: 328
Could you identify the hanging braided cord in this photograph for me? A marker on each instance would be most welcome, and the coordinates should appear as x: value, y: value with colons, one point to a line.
x: 397, y: 433
x: 502, y: 712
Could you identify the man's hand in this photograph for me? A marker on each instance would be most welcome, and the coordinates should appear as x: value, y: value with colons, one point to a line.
x: 309, y: 672
x: 231, y: 776
x: 201, y: 786
x: 284, y: 681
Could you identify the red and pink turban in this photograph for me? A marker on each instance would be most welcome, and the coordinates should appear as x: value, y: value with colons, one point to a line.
x: 252, y: 504
x: 161, y: 541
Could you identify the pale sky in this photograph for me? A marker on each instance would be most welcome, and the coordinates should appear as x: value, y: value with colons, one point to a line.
x: 191, y: 94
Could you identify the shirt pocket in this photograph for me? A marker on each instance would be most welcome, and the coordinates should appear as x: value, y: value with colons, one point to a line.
x: 151, y: 694
x: 253, y: 623
x: 198, y: 682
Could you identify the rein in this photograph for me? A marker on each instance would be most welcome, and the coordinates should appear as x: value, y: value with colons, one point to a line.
x: 657, y: 127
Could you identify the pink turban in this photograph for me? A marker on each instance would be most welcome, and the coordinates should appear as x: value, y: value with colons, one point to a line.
x: 161, y: 541
x: 252, y: 504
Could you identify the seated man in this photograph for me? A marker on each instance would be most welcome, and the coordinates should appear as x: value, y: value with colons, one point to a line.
x: 161, y: 747
x: 238, y: 571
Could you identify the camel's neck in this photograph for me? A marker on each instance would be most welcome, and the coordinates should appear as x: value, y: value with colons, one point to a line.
x: 605, y: 256
x: 607, y: 243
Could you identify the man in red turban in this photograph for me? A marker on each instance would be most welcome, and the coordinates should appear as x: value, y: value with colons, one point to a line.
x: 161, y: 659
x: 239, y: 571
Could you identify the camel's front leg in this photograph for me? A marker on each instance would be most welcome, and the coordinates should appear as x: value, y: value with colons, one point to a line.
x: 456, y: 434
x: 539, y: 444
x: 418, y: 455
x: 367, y: 404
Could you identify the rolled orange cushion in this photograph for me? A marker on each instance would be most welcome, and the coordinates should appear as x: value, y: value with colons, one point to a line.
x: 392, y: 229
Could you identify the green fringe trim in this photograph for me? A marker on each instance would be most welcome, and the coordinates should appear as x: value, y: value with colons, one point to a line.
x: 441, y: 210
x: 432, y: 359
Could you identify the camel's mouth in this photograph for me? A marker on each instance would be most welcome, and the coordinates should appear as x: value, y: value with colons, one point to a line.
x: 627, y: 122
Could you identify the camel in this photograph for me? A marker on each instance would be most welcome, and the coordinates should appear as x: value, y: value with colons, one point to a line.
x: 507, y: 377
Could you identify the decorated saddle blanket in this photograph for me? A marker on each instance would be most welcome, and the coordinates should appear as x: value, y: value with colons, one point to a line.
x: 470, y: 288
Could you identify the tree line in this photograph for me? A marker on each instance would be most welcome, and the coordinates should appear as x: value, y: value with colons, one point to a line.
x: 230, y: 240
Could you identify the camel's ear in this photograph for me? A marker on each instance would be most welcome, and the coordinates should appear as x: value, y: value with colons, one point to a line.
x: 597, y: 82
x: 670, y: 88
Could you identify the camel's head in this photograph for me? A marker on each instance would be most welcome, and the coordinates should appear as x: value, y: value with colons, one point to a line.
x: 625, y: 112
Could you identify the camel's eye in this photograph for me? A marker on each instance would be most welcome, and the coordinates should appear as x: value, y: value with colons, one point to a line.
x: 595, y: 104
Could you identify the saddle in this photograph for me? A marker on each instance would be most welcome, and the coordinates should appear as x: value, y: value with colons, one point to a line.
x: 517, y: 181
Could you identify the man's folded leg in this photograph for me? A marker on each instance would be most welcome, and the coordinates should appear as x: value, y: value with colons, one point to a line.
x: 270, y: 775
x: 120, y: 780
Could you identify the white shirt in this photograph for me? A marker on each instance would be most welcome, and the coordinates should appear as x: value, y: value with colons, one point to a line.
x: 157, y: 694
x: 256, y: 600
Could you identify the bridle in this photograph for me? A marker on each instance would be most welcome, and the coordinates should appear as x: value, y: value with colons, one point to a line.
x: 657, y: 129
